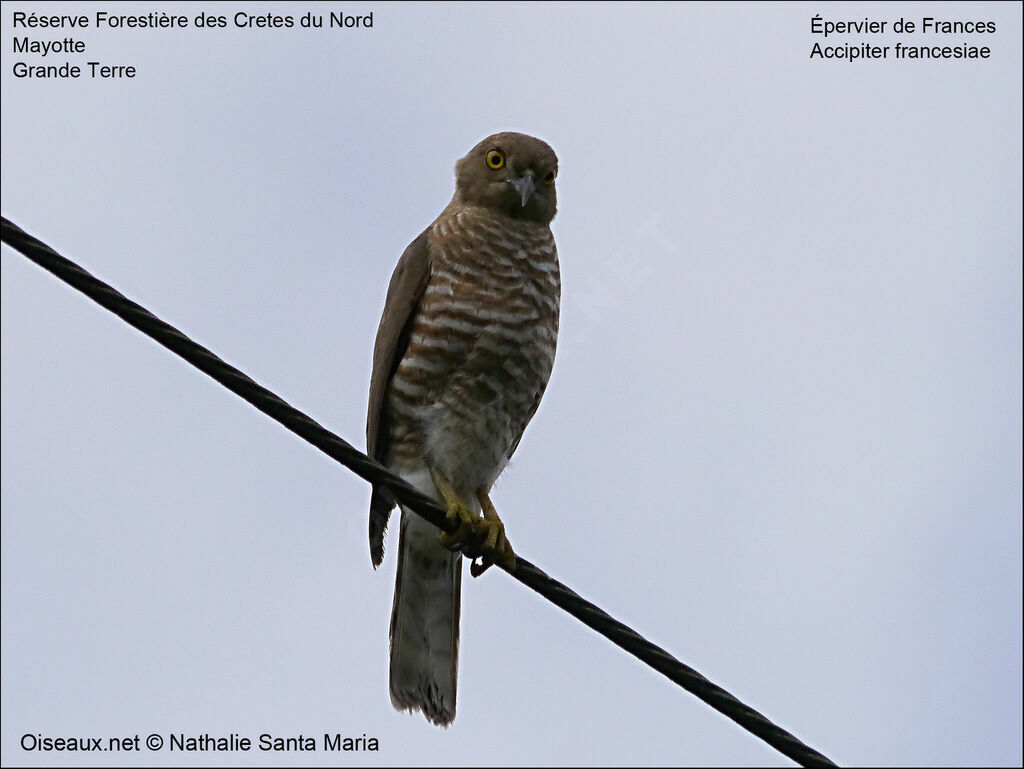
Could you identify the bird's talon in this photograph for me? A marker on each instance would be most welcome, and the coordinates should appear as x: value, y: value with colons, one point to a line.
x: 478, y: 538
x: 494, y: 547
x: 466, y: 519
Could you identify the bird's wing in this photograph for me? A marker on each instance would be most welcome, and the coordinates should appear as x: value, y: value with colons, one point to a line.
x: 404, y: 293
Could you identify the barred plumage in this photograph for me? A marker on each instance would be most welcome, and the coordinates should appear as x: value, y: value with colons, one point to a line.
x: 481, y: 348
x: 463, y: 355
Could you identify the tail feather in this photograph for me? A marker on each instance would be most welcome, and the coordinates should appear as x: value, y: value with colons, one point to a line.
x: 425, y: 623
x: 381, y: 504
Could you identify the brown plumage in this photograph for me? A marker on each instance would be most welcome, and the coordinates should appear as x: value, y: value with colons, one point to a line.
x: 463, y: 354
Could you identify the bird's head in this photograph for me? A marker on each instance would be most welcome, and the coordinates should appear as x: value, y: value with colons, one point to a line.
x: 511, y: 173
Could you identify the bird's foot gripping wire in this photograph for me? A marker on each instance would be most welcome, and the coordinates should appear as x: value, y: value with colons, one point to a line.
x: 477, y: 538
x: 495, y: 548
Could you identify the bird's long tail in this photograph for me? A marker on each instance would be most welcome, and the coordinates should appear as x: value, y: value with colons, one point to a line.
x: 425, y: 622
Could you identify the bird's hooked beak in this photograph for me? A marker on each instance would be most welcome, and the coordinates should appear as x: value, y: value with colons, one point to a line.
x: 523, y: 185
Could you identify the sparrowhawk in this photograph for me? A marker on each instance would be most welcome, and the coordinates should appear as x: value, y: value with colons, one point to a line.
x: 463, y: 354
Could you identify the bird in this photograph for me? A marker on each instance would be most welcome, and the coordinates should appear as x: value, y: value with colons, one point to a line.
x: 463, y: 353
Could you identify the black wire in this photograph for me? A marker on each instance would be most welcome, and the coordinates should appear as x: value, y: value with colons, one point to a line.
x: 366, y: 468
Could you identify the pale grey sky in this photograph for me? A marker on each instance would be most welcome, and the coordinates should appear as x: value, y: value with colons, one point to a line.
x: 782, y: 438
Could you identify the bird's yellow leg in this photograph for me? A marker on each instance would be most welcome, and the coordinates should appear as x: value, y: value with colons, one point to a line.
x: 456, y: 510
x: 485, y: 536
x: 495, y: 548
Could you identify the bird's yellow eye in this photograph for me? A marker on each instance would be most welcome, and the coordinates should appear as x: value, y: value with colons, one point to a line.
x: 495, y: 159
x: 550, y: 178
